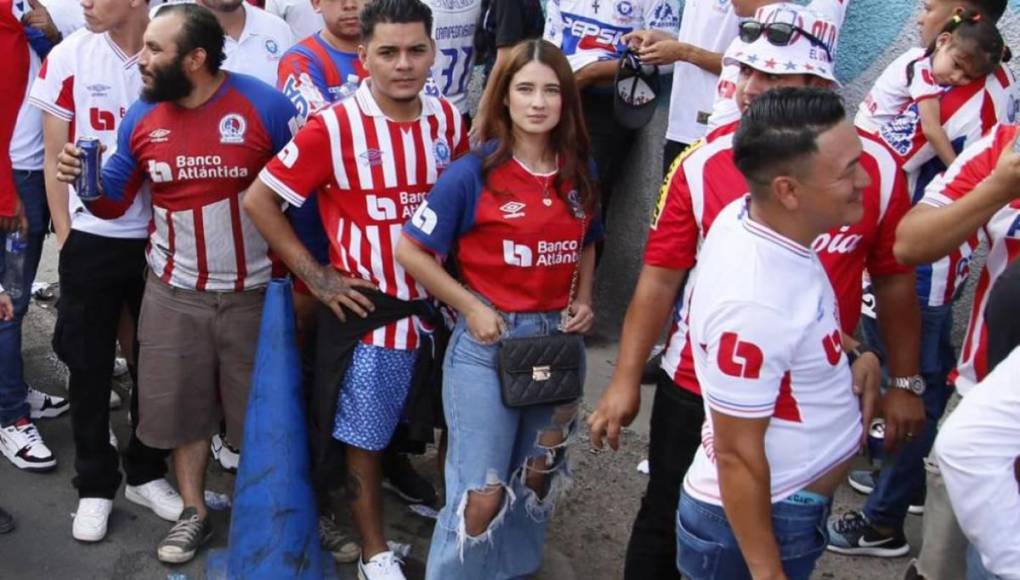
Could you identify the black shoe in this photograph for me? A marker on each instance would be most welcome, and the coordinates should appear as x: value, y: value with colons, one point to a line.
x: 917, y: 504
x: 6, y: 521
x: 852, y: 534
x: 400, y: 477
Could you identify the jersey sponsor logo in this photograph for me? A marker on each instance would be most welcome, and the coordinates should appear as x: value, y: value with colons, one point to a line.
x: 102, y: 120
x: 232, y: 128
x: 425, y: 219
x: 371, y: 157
x: 665, y: 16
x: 441, y: 151
x: 841, y: 243
x: 516, y: 255
x: 512, y: 209
x: 288, y: 155
x: 190, y: 167
x: 160, y: 172
x: 899, y: 133
x: 159, y: 136
x: 738, y: 358
x: 589, y: 34
x: 381, y: 208
x: 833, y: 345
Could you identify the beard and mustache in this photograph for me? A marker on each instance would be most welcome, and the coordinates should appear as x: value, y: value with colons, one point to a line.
x: 169, y: 83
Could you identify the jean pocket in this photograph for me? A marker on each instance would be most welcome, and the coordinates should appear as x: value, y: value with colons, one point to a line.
x: 696, y: 557
x: 811, y: 541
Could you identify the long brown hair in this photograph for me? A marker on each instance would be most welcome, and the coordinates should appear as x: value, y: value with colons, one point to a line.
x: 569, y: 138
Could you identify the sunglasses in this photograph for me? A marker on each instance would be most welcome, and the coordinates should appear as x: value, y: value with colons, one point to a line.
x: 778, y: 34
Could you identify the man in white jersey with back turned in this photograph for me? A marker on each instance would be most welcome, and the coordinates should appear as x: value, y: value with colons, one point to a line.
x: 782, y: 413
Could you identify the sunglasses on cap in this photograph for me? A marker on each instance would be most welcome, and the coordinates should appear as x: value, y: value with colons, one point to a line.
x: 778, y: 34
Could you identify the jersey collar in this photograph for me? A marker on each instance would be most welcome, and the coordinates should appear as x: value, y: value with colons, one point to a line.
x: 769, y: 235
x: 366, y: 102
x: 127, y: 61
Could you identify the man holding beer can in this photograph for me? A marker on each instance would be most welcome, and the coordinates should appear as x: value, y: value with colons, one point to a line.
x: 84, y: 88
x: 196, y: 141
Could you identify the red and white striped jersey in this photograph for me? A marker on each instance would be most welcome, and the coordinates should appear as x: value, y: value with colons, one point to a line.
x: 704, y: 180
x: 90, y: 82
x: 372, y: 174
x: 1001, y: 233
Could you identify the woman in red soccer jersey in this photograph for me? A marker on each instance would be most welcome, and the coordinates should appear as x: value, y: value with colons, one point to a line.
x: 518, y: 213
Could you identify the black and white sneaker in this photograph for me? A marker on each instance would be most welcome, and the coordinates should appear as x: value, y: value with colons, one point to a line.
x: 43, y: 406
x: 400, y: 477
x: 863, y: 480
x: 22, y: 444
x: 185, y: 538
x: 852, y: 534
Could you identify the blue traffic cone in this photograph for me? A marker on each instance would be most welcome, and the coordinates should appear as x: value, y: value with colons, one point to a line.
x: 273, y: 525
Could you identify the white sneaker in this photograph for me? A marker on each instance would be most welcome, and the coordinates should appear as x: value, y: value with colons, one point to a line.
x: 158, y: 496
x: 114, y: 442
x: 115, y: 400
x: 91, y: 518
x: 382, y: 566
x: 229, y: 457
x: 24, y: 447
x: 45, y: 406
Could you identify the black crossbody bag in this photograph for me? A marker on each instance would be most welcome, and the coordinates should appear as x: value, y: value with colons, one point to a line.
x: 544, y: 370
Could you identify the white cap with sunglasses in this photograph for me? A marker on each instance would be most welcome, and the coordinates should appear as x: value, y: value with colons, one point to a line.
x: 786, y: 39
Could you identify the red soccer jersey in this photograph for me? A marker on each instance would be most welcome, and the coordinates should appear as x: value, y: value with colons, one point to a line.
x: 15, y: 50
x: 704, y: 180
x: 372, y: 174
x: 1001, y: 233
x: 516, y: 245
x: 198, y: 163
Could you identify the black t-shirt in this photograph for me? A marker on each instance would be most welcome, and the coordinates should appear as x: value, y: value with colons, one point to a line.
x: 505, y: 23
x: 1001, y: 317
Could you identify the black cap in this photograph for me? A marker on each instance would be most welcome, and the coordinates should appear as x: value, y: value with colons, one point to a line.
x: 636, y: 90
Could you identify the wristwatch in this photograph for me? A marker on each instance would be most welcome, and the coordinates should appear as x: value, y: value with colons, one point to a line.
x: 914, y: 384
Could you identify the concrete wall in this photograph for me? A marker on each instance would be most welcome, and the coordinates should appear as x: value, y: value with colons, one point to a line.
x: 875, y: 32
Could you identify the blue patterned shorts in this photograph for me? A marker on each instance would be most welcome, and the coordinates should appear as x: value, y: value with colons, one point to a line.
x: 372, y: 396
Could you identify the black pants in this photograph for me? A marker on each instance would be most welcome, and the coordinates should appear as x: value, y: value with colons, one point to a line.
x: 675, y: 435
x: 669, y: 152
x: 98, y: 277
x: 610, y: 142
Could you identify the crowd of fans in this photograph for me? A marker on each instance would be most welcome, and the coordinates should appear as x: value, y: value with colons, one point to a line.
x: 803, y: 263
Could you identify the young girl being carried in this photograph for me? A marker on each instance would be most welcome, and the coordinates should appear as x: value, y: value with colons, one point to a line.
x: 968, y: 48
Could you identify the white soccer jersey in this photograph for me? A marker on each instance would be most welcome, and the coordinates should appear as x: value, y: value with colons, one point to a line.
x: 27, y: 141
x: 767, y: 343
x: 709, y: 25
x: 302, y: 18
x: 453, y: 28
x: 906, y: 80
x: 259, y: 48
x: 1001, y: 233
x: 588, y: 31
x: 88, y: 81
x: 725, y: 110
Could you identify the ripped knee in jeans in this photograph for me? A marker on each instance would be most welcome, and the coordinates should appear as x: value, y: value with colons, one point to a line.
x: 482, y: 510
x: 546, y: 476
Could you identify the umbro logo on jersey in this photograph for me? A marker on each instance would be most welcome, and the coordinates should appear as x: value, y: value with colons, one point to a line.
x: 738, y: 358
x: 232, y: 128
x: 159, y: 136
x: 516, y: 254
x: 98, y: 89
x: 512, y: 209
x: 371, y: 157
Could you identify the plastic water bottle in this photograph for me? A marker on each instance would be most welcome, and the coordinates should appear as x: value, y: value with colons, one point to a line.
x: 15, y: 248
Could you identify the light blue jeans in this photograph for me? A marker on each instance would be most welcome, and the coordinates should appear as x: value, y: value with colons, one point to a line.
x: 492, y: 449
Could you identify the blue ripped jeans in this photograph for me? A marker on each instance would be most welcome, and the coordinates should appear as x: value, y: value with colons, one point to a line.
x: 494, y: 449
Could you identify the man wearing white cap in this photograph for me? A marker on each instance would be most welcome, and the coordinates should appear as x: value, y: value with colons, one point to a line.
x: 784, y: 45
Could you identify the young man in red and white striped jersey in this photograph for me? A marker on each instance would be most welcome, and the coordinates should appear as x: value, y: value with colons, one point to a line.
x: 372, y: 157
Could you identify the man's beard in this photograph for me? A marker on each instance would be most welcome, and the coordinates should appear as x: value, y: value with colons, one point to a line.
x: 169, y: 83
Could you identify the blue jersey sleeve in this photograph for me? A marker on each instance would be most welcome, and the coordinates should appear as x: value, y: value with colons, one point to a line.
x: 121, y: 177
x: 277, y: 113
x: 449, y: 210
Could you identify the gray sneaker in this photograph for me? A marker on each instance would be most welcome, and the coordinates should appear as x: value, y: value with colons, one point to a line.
x: 343, y: 548
x: 184, y: 539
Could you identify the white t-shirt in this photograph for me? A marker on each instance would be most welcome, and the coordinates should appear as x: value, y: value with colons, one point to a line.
x: 709, y: 25
x: 27, y: 141
x: 88, y: 81
x: 258, y: 49
x: 765, y: 333
x: 906, y: 80
x: 725, y: 110
x: 302, y: 18
x: 453, y: 28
